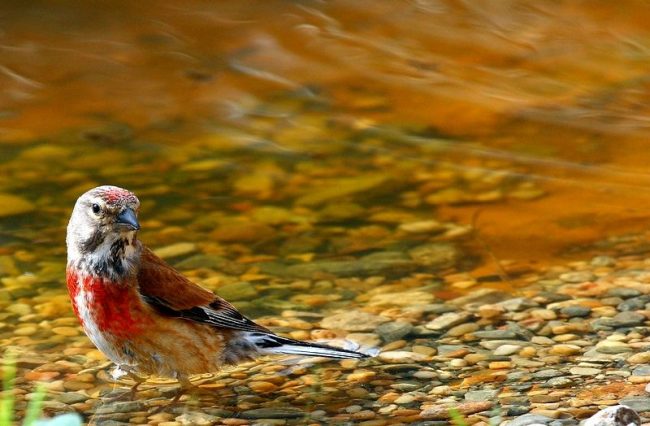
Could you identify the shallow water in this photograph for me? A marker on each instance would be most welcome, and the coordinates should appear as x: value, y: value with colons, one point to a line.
x: 303, y: 158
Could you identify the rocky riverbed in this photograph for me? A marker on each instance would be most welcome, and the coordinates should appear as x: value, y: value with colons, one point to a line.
x: 573, y: 340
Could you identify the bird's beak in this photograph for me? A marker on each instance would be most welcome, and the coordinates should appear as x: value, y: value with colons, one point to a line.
x: 128, y: 219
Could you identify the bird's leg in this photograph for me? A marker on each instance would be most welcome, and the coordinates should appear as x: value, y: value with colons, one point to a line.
x: 119, y: 372
x: 138, y: 381
x: 185, y: 387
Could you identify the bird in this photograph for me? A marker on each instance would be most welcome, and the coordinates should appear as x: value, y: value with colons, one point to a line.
x: 147, y: 317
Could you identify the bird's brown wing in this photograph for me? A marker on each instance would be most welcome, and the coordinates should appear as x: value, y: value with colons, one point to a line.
x: 171, y: 294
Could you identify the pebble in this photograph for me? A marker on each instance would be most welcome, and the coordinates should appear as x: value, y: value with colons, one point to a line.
x: 11, y: 205
x: 441, y: 412
x: 272, y: 413
x: 353, y: 321
x: 66, y: 331
x: 71, y: 397
x: 576, y: 311
x: 577, y: 277
x: 639, y: 358
x: 547, y: 374
x: 26, y: 331
x: 640, y: 404
x: 612, y: 347
x: 505, y: 350
x: 402, y: 356
x: 175, y: 250
x: 120, y: 407
x: 391, y: 331
x: 495, y: 334
x: 584, y: 371
x: 565, y: 350
x: 481, y: 395
x: 641, y: 370
x: 197, y: 418
x: 462, y: 329
x: 262, y: 387
x: 625, y: 319
x: 448, y: 320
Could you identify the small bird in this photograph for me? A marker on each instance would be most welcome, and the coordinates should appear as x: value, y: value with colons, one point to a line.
x: 143, y: 314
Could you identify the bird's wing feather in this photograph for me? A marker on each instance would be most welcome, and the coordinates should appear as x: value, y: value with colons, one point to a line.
x: 172, y: 294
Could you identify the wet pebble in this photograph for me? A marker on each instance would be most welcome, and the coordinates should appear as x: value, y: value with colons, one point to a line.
x: 448, y: 320
x: 353, y: 321
x: 393, y: 330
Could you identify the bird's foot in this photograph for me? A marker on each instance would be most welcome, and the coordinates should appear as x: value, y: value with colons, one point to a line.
x: 131, y: 393
x: 181, y: 391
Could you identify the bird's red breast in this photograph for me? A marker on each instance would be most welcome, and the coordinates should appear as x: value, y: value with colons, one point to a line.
x: 112, y: 308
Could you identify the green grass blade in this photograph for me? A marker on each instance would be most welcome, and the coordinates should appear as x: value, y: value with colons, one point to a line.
x: 7, y: 399
x: 34, y: 407
x: 456, y: 417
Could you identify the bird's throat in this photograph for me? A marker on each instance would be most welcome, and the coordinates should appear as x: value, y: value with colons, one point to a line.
x: 114, y: 259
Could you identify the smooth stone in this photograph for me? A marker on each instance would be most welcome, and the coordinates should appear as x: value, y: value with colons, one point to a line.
x: 19, y: 309
x: 448, y: 320
x: 435, y: 255
x: 369, y: 265
x: 401, y: 357
x: 584, y: 371
x: 639, y: 404
x: 197, y: 418
x: 369, y: 340
x: 577, y: 277
x: 639, y: 358
x: 405, y: 399
x: 542, y: 340
x: 272, y: 413
x: 120, y: 407
x: 634, y: 304
x: 481, y: 395
x: 353, y: 321
x: 175, y: 250
x: 66, y: 331
x: 517, y: 304
x: 422, y: 226
x: 623, y: 292
x: 565, y: 350
x: 603, y: 261
x: 72, y: 397
x: 625, y: 319
x: 493, y: 344
x: 495, y: 334
x: 261, y: 386
x: 11, y: 205
x: 530, y: 420
x: 392, y: 331
x: 505, y: 350
x: 406, y: 298
x: 612, y: 347
x: 641, y: 370
x: 576, y: 311
x: 517, y: 410
x: 341, y: 187
x: 26, y: 330
x: 547, y: 374
x: 462, y: 329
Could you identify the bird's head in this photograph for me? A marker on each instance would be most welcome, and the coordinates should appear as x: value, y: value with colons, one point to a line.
x: 103, y: 223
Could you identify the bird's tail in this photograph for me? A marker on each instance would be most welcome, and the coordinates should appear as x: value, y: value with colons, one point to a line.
x: 272, y: 344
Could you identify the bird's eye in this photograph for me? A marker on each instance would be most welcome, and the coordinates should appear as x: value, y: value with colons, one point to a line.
x: 96, y: 208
